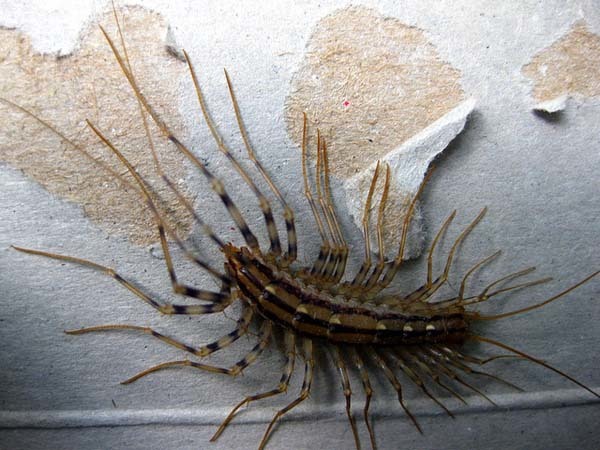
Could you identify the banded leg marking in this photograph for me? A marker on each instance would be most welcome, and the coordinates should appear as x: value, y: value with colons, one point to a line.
x: 235, y: 370
x: 309, y: 365
x: 205, y: 227
x: 265, y: 205
x: 290, y: 345
x: 105, y: 167
x: 215, y: 183
x: 177, y: 287
x: 205, y: 350
x: 141, y: 189
x: 288, y: 212
x: 219, y: 300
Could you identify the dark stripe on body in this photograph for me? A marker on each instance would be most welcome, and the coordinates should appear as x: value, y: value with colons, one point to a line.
x: 442, y: 327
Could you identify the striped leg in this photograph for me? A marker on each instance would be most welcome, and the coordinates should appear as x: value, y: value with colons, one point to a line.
x: 143, y: 114
x: 389, y: 374
x: 122, y: 180
x: 226, y: 340
x: 216, y: 184
x: 364, y: 376
x: 309, y: 364
x: 265, y: 205
x: 288, y: 213
x: 161, y: 223
x: 339, y: 362
x: 290, y: 345
x: 235, y: 370
x: 178, y: 288
x: 220, y: 300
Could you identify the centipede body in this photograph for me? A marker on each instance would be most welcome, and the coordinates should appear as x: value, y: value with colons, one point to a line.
x: 376, y: 361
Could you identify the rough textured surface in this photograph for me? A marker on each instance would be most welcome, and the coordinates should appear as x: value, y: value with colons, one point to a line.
x: 408, y: 165
x: 536, y: 176
x: 377, y: 79
x: 571, y: 65
x: 369, y: 83
x: 87, y: 84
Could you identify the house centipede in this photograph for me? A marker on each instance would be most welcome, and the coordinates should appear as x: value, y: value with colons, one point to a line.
x: 319, y: 306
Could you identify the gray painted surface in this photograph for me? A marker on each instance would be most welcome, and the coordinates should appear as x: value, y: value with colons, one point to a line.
x: 538, y: 177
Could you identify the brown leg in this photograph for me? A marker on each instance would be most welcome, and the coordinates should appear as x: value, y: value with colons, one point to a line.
x: 339, y: 362
x: 389, y: 374
x: 290, y: 344
x: 288, y: 213
x: 309, y: 364
x: 219, y: 300
x: 225, y: 341
x: 234, y: 370
x: 364, y: 375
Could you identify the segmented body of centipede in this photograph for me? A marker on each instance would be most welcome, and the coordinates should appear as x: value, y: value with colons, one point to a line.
x: 318, y: 307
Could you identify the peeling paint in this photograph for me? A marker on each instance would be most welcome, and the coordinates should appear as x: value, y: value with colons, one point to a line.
x: 369, y: 82
x: 408, y: 165
x: 571, y: 65
x: 87, y: 84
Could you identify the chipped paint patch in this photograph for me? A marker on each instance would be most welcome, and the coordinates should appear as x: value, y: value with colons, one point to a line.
x: 369, y: 82
x: 552, y: 106
x: 408, y: 164
x: 88, y: 84
x: 571, y: 65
